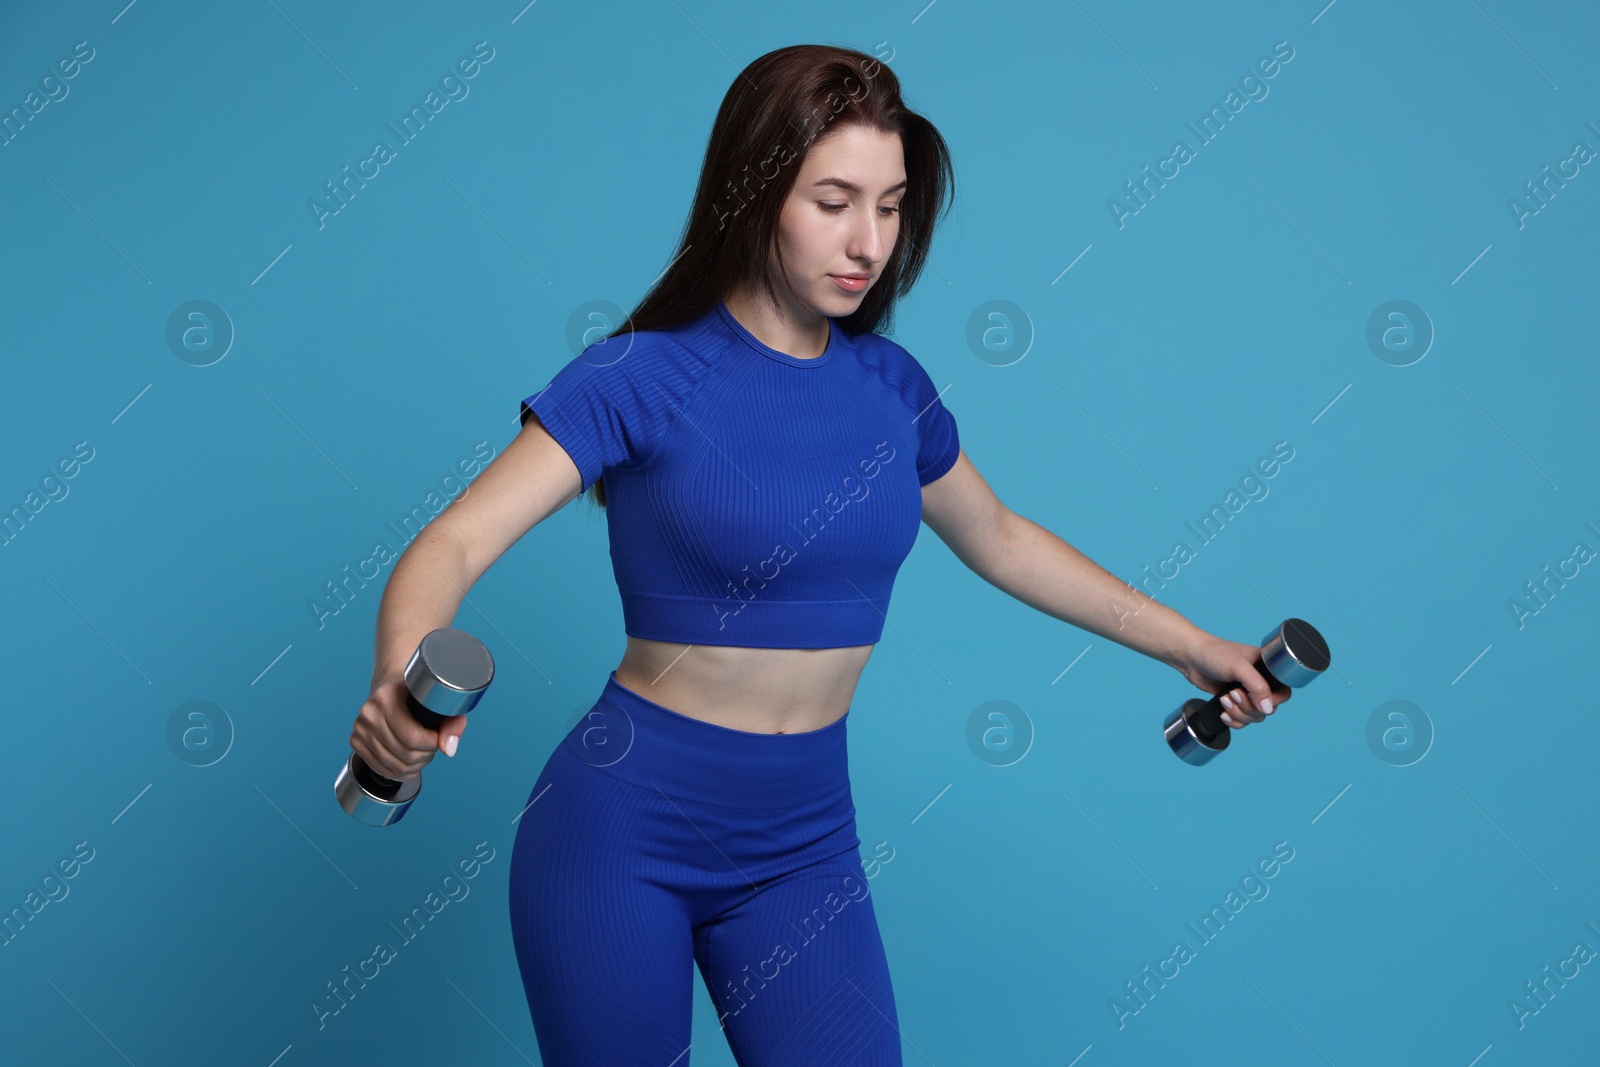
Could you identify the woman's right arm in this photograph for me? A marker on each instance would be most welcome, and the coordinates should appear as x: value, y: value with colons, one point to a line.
x: 533, y: 478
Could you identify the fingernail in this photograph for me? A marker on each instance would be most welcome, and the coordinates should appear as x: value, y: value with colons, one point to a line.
x: 1266, y: 706
x: 1227, y: 700
x: 450, y: 745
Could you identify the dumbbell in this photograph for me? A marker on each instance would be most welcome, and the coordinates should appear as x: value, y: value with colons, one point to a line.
x: 1292, y: 656
x: 447, y: 675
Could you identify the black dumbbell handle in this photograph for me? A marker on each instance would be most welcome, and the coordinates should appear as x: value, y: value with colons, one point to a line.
x: 1207, y: 721
x: 375, y: 783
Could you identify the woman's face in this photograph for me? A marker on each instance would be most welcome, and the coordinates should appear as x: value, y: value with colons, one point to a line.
x: 842, y: 218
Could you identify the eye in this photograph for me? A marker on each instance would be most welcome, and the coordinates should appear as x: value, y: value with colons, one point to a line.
x: 833, y: 208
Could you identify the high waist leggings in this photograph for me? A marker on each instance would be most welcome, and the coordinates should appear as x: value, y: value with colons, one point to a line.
x: 654, y: 843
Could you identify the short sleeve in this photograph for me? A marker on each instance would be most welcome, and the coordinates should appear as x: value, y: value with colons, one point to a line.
x: 609, y: 406
x: 939, y: 443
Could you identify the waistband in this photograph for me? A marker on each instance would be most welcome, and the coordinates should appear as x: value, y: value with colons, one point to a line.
x: 633, y: 738
x: 767, y: 623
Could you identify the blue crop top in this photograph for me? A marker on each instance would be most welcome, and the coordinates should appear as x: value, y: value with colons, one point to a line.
x: 752, y: 497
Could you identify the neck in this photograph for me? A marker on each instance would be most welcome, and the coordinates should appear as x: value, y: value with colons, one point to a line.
x: 795, y: 329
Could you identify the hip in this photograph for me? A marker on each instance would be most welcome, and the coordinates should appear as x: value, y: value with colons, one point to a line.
x: 650, y: 791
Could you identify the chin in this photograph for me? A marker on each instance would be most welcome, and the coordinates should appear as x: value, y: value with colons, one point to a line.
x: 837, y: 297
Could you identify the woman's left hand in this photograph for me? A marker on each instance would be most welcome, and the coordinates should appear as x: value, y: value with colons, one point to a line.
x: 1217, y: 666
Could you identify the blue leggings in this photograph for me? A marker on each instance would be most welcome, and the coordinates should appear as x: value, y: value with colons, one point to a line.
x: 652, y: 838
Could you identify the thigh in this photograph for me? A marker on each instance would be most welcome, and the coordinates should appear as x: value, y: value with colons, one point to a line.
x: 605, y: 948
x: 798, y: 974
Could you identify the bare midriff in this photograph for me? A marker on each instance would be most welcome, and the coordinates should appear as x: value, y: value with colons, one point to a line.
x: 758, y: 690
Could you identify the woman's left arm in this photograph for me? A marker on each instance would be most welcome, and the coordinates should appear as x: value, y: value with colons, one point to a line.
x: 1022, y: 558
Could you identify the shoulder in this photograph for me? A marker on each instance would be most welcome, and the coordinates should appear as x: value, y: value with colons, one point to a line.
x: 611, y: 404
x: 901, y: 372
x: 618, y: 396
x: 634, y: 354
x: 636, y: 368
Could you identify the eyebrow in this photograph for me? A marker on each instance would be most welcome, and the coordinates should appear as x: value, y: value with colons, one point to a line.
x: 854, y: 188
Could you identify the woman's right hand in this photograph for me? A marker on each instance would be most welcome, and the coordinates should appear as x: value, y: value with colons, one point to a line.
x: 1228, y: 667
x: 390, y: 739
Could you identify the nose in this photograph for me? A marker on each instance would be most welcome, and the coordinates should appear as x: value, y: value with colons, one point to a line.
x: 871, y: 237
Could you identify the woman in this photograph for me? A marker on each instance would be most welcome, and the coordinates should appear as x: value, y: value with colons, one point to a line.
x: 768, y: 458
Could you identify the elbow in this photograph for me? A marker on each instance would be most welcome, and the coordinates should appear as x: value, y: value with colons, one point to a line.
x: 988, y: 547
x: 446, y: 547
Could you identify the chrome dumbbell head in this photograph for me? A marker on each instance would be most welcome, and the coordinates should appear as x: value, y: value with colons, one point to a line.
x: 368, y: 798
x: 447, y: 675
x: 1293, y: 655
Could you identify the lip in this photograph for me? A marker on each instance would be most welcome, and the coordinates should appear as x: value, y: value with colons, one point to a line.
x: 851, y: 283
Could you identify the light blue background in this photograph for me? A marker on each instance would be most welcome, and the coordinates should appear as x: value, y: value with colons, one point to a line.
x: 1229, y: 314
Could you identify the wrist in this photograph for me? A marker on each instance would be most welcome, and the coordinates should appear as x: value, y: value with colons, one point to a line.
x: 387, y: 673
x: 1182, y: 638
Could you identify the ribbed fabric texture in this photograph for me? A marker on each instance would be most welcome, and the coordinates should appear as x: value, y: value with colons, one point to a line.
x: 654, y: 843
x: 752, y: 497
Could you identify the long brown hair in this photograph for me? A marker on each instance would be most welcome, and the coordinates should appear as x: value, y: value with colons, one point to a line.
x: 771, y: 115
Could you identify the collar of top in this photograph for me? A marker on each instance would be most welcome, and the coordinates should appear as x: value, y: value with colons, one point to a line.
x: 772, y: 353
